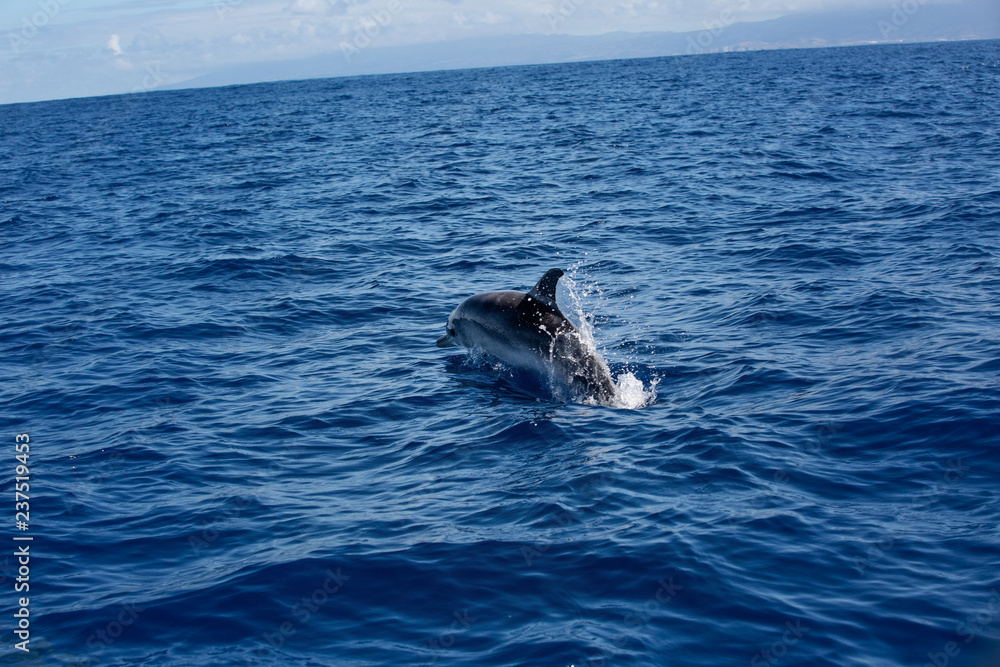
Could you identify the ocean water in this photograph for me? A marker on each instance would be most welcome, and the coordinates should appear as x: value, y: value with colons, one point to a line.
x: 219, y: 310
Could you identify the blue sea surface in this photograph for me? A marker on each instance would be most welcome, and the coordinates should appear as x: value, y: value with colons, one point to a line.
x: 219, y: 310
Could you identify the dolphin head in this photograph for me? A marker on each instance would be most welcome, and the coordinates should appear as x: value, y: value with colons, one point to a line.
x: 507, y: 323
x: 449, y: 339
x: 458, y: 323
x: 480, y: 318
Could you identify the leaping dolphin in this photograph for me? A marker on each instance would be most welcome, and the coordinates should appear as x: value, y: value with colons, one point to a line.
x: 529, y: 331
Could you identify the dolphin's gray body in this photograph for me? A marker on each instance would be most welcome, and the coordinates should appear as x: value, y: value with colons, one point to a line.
x: 528, y: 331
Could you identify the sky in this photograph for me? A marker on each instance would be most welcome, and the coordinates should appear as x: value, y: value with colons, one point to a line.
x: 51, y: 49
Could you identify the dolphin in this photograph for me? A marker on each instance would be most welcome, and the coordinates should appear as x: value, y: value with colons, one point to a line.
x: 529, y: 331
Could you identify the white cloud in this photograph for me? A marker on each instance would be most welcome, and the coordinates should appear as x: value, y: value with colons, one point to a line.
x: 315, y: 7
x: 114, y: 44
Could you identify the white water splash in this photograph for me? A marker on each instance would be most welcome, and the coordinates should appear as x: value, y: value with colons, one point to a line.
x: 630, y: 393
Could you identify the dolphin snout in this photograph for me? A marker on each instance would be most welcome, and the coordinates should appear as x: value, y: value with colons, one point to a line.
x: 447, y: 340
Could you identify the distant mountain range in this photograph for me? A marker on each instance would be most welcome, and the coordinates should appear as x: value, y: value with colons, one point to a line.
x: 908, y: 21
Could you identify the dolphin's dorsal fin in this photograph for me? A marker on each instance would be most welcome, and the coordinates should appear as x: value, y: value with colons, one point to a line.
x: 545, y: 290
